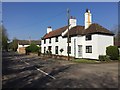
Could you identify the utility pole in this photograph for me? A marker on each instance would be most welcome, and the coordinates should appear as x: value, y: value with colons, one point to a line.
x: 30, y: 39
x: 68, y: 15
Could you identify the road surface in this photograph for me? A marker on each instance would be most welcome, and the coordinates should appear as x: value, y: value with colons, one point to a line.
x: 24, y: 71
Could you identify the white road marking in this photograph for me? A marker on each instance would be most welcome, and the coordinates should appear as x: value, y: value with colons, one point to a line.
x: 27, y: 63
x: 45, y: 73
x: 37, y: 69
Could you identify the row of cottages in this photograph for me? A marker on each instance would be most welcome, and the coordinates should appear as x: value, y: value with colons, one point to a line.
x: 22, y: 44
x: 87, y: 41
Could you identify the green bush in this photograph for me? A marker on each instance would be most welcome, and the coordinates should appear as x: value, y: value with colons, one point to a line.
x: 119, y: 57
x: 32, y: 48
x: 113, y: 52
x: 104, y: 58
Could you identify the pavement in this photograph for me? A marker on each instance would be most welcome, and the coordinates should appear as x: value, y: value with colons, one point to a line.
x: 25, y: 71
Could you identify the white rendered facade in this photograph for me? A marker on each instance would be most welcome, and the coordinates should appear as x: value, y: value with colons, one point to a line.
x: 98, y: 43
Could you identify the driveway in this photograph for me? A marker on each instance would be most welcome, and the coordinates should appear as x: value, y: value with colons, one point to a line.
x: 23, y: 71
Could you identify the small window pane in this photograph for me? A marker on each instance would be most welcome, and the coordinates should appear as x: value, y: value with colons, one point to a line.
x: 50, y: 40
x: 88, y: 37
x: 56, y: 39
x: 56, y: 50
x: 88, y: 49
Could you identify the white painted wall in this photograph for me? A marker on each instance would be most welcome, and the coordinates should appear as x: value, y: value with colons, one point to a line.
x: 98, y: 43
x: 103, y: 42
x: 61, y: 44
x: 94, y: 45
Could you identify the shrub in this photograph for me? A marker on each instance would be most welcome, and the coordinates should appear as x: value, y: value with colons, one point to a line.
x: 119, y: 57
x: 113, y: 52
x: 32, y: 48
x: 104, y: 58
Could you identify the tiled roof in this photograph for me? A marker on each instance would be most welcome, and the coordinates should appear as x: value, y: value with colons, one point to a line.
x: 79, y: 30
x: 96, y: 28
x: 27, y: 42
x: 55, y: 32
x: 93, y: 28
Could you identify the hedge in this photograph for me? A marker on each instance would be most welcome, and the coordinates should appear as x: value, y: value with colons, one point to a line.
x: 32, y: 48
x: 104, y: 58
x: 113, y: 52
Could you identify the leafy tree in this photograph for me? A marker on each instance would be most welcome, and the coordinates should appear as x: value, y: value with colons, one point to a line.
x: 5, y: 39
x: 15, y: 44
x: 32, y: 48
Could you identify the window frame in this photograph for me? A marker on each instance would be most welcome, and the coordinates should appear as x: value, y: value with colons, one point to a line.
x: 49, y: 40
x: 49, y: 48
x: 44, y: 50
x: 89, y: 49
x: 56, y: 39
x: 44, y: 41
x: 88, y: 37
x: 56, y: 49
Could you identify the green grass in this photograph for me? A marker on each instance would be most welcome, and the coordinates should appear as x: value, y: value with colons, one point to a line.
x: 85, y: 61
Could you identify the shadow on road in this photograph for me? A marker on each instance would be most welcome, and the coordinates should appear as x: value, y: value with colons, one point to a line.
x: 28, y: 77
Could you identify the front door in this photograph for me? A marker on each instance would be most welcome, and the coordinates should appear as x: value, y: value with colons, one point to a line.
x: 79, y: 51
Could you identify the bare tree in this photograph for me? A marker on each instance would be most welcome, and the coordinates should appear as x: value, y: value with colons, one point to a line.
x: 116, y: 31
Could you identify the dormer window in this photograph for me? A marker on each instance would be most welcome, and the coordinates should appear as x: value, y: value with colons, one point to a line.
x: 50, y: 40
x: 88, y: 37
x: 56, y: 39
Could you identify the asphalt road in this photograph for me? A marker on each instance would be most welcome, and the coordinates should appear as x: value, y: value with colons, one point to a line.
x: 23, y: 71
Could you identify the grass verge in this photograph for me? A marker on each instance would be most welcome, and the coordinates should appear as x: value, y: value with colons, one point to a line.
x: 85, y: 61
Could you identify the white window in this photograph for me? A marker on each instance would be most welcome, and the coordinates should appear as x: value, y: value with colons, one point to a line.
x: 56, y: 39
x: 88, y: 49
x: 56, y: 49
x: 88, y: 37
x: 44, y: 41
x: 50, y: 40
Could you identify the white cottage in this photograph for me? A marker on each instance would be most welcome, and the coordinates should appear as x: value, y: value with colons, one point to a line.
x: 87, y: 41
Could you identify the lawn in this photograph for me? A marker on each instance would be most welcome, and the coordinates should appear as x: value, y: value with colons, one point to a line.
x: 85, y: 61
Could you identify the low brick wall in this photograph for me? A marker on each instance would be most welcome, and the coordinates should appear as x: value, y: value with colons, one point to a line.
x: 33, y: 54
